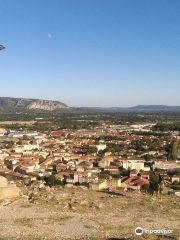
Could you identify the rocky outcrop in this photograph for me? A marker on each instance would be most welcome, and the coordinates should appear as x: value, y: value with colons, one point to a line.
x: 8, y: 191
x: 3, y: 182
x: 25, y: 103
x: 46, y: 105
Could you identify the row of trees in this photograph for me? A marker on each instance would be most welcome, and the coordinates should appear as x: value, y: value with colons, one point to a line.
x: 167, y: 126
x: 174, y: 150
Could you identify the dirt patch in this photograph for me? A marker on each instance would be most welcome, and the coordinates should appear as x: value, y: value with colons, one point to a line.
x: 85, y: 214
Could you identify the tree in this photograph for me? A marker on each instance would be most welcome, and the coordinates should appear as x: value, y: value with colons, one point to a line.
x: 91, y: 149
x: 69, y: 136
x: 175, y: 182
x: 148, y: 157
x: 52, y: 180
x: 77, y: 184
x: 174, y: 150
x: 59, y: 182
x: 41, y: 159
x: 61, y: 146
x: 153, y: 177
x: 19, y: 142
x: 145, y: 187
x: 25, y: 137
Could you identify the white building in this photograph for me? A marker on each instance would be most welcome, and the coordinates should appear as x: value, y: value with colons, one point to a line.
x: 101, y: 146
x: 134, y: 164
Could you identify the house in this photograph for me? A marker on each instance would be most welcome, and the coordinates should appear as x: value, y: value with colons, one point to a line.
x: 105, y: 162
x: 145, y: 174
x: 60, y: 167
x: 175, y: 178
x: 81, y: 177
x: 112, y: 169
x: 101, y: 147
x: 133, y: 163
x: 134, y: 182
x: 133, y: 173
x: 86, y: 165
x: 64, y: 175
x: 100, y: 184
x: 46, y: 163
x: 15, y: 155
x: 30, y: 147
x: 59, y: 133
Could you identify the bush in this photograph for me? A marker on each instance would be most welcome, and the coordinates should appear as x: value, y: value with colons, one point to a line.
x: 175, y: 187
x: 175, y: 182
x: 86, y: 184
x: 77, y: 184
x: 145, y: 187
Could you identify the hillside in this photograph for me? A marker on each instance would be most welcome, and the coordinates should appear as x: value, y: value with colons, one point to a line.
x: 142, y: 108
x: 79, y: 213
x: 21, y: 104
x: 26, y: 103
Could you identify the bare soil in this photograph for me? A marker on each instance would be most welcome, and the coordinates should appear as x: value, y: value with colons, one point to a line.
x: 78, y: 213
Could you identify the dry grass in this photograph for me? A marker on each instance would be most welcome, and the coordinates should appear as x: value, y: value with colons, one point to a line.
x: 17, y: 122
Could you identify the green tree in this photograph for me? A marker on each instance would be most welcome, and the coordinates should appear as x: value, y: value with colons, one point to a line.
x: 19, y: 142
x: 175, y: 182
x: 174, y: 150
x: 41, y: 159
x: 52, y: 180
x: 61, y: 146
x: 153, y: 177
x: 148, y: 157
x: 91, y: 149
x: 145, y: 187
x: 69, y: 136
x: 25, y: 137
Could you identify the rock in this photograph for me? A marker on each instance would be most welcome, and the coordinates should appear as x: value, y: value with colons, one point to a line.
x: 101, y: 205
x: 31, y: 196
x: 68, y: 186
x: 24, y: 196
x: 60, y: 196
x: 84, y: 202
x: 9, y: 192
x: 3, y: 182
x: 83, y: 187
x: 68, y: 205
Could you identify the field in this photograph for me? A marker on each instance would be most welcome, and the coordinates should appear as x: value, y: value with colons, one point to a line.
x: 17, y: 122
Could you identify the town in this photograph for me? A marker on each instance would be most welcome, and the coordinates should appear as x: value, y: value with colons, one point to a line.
x: 85, y: 176
x: 101, y: 156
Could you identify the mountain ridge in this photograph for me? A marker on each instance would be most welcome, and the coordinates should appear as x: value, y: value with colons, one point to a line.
x: 29, y: 103
x: 11, y: 103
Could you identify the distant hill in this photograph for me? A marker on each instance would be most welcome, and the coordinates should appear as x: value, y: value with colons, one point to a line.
x: 143, y: 108
x: 26, y: 103
x: 20, y: 104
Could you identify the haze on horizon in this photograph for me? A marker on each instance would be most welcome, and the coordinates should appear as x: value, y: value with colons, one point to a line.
x: 91, y: 53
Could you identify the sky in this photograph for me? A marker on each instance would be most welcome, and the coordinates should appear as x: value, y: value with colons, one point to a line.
x: 91, y: 53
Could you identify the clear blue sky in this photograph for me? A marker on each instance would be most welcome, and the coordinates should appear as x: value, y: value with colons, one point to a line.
x: 91, y: 52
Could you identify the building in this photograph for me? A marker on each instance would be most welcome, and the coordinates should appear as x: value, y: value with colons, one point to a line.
x: 100, y: 184
x: 175, y: 178
x: 101, y: 147
x: 133, y: 164
x: 22, y: 133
